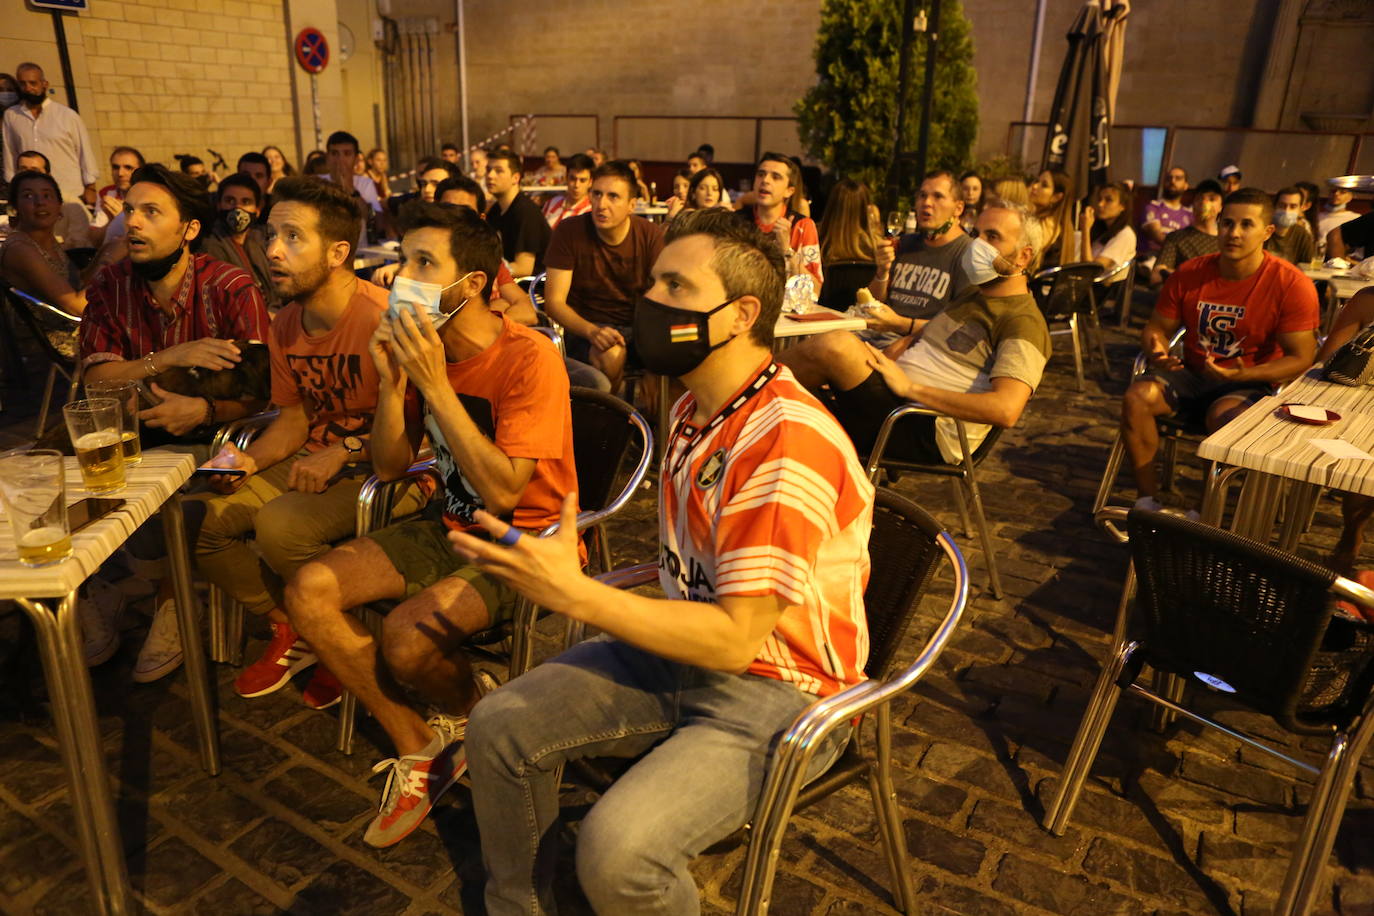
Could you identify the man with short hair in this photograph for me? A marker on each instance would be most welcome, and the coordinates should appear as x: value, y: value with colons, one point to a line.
x: 1292, y: 239
x: 342, y: 153
x: 160, y: 307
x: 576, y: 200
x: 776, y: 179
x: 449, y: 153
x: 1248, y: 319
x: 477, y: 164
x: 493, y: 399
x: 256, y: 167
x: 597, y: 156
x: 237, y: 236
x: 1334, y: 215
x: 46, y: 125
x: 1230, y: 179
x: 552, y: 171
x: 305, y: 470
x: 980, y: 359
x: 507, y: 296
x: 696, y: 162
x: 524, y: 232
x: 763, y: 558
x: 73, y: 228
x: 124, y: 161
x: 1163, y: 215
x: 928, y: 268
x: 1194, y: 240
x: 598, y: 265
x: 432, y: 173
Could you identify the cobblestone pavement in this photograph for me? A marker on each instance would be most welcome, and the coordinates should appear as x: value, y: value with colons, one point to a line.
x: 1178, y: 823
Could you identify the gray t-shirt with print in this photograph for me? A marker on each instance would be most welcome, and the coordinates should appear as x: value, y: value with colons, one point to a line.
x: 924, y: 278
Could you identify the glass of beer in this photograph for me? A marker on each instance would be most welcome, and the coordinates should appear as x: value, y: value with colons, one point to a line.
x: 126, y: 393
x: 33, y: 489
x: 97, y: 438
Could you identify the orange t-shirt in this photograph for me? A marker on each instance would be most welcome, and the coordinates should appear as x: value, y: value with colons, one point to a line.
x: 332, y: 374
x: 516, y: 391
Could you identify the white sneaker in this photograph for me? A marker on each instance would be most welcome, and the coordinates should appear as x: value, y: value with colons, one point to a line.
x: 161, y: 652
x: 98, y: 612
x: 1149, y: 504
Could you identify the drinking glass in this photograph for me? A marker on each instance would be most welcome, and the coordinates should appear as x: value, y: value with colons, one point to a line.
x: 126, y: 393
x: 97, y: 438
x: 895, y: 221
x: 32, y: 487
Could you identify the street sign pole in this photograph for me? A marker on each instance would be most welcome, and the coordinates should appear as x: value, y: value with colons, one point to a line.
x: 60, y: 33
x: 315, y: 107
x: 312, y: 53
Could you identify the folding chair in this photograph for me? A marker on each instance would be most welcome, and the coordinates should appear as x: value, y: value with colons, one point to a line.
x: 1117, y: 289
x: 963, y: 477
x: 1255, y: 626
x: 1062, y: 292
x: 906, y: 548
x: 606, y: 432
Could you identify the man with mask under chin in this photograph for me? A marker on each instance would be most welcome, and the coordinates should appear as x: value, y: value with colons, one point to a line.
x: 928, y: 269
x: 979, y: 360
x: 237, y: 238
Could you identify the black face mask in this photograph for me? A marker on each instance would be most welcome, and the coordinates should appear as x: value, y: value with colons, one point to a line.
x: 236, y: 220
x: 32, y: 98
x: 673, y: 341
x: 157, y: 268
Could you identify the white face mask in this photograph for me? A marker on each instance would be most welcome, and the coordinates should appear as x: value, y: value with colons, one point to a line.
x: 426, y: 297
x: 983, y: 263
x: 8, y: 98
x: 1285, y: 218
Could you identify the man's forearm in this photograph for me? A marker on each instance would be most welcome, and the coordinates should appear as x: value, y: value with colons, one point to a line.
x: 1284, y: 369
x: 702, y: 634
x: 389, y: 442
x: 561, y: 312
x: 982, y: 407
x: 279, y: 441
x: 523, y: 264
x: 484, y: 465
x: 879, y: 285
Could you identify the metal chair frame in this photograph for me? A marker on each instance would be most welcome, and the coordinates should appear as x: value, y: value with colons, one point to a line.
x: 963, y: 477
x: 1333, y: 779
x: 375, y: 503
x: 785, y: 787
x: 1045, y: 280
x: 1125, y: 289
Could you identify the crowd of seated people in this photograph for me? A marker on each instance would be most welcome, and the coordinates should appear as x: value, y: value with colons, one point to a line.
x: 367, y: 369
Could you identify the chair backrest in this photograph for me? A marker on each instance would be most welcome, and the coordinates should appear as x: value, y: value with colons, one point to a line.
x: 604, y: 429
x: 53, y: 328
x: 1250, y: 616
x: 1061, y: 291
x: 905, y: 553
x: 843, y: 280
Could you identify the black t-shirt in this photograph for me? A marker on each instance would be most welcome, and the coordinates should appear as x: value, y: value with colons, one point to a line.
x: 1359, y: 233
x: 522, y: 228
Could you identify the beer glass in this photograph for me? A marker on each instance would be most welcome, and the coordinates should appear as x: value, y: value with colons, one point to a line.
x: 32, y: 487
x: 126, y: 393
x: 97, y: 438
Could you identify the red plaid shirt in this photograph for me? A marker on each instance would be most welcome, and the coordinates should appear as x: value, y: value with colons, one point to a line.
x: 122, y: 322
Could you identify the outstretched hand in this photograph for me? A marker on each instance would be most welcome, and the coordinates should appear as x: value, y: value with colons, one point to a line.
x: 544, y: 570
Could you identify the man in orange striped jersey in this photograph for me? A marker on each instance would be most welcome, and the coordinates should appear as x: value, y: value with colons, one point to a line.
x: 764, y: 522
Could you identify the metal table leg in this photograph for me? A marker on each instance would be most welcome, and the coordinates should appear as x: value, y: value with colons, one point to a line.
x: 188, y: 618
x: 73, y: 711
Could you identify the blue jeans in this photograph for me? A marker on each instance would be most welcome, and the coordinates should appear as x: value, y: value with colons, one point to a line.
x: 705, y: 737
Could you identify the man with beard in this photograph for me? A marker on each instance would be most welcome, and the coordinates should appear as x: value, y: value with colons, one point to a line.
x: 927, y: 272
x: 776, y: 180
x: 304, y: 472
x: 493, y: 398
x: 236, y: 236
x: 46, y: 125
x: 1165, y: 215
x: 162, y: 306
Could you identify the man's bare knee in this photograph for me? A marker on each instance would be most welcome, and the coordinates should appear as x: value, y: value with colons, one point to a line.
x: 1144, y: 398
x: 312, y: 594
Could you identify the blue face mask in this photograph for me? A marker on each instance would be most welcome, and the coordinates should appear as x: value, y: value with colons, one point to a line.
x: 425, y: 297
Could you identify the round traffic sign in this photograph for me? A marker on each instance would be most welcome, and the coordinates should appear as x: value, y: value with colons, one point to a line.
x: 312, y: 50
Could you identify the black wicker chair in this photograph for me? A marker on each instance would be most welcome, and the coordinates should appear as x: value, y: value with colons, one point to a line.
x: 906, y: 547
x: 1062, y: 292
x: 55, y: 331
x: 1253, y: 624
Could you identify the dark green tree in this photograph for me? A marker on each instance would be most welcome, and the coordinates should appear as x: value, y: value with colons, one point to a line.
x: 848, y: 118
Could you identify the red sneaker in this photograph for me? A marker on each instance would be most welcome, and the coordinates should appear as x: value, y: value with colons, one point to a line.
x: 324, y: 689
x: 286, y: 654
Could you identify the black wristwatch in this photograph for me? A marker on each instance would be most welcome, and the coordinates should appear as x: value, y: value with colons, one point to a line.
x: 354, y: 446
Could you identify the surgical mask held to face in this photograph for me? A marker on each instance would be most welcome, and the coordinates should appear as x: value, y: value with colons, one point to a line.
x: 983, y: 263
x: 1285, y: 219
x: 426, y: 297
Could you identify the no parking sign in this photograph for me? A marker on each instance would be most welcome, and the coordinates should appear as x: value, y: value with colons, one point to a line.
x: 312, y: 50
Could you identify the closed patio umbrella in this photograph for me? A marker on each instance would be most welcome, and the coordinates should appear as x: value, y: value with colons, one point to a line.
x: 1077, y: 141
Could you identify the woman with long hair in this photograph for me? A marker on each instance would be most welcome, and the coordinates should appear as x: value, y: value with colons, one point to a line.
x: 31, y: 258
x: 643, y: 191
x: 278, y: 163
x: 377, y: 164
x: 850, y: 236
x: 1051, y: 198
x: 1105, y: 227
x: 971, y: 190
